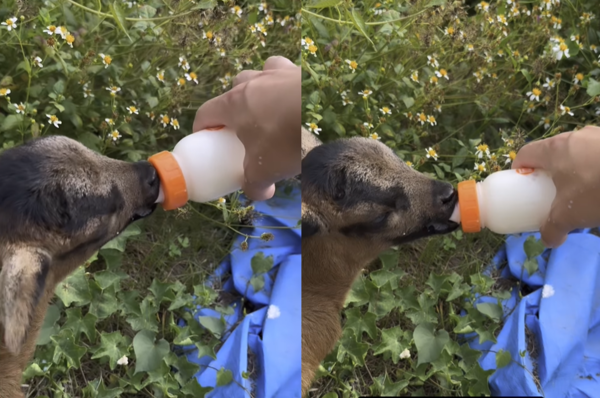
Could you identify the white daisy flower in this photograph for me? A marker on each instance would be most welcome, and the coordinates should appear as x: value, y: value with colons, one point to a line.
x: 10, y: 23
x: 52, y: 119
x: 313, y: 128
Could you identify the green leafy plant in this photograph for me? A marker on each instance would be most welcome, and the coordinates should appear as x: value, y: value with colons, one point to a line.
x: 125, y: 78
x: 455, y: 89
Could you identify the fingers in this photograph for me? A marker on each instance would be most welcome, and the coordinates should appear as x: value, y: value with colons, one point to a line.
x: 258, y: 192
x: 533, y: 155
x: 554, y: 230
x: 219, y: 111
x: 245, y: 76
x: 257, y: 184
x: 275, y: 62
x: 278, y: 62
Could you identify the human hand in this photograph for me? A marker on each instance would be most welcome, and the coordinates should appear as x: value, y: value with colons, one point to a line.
x: 573, y: 161
x: 264, y: 109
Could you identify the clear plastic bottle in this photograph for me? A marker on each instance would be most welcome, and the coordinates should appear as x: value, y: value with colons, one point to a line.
x: 203, y: 166
x: 506, y: 202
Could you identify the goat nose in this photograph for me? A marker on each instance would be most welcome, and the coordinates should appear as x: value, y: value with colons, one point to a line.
x: 444, y: 193
x: 448, y: 196
x: 152, y: 178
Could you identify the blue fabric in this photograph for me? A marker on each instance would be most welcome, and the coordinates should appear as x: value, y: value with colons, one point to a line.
x: 275, y: 340
x: 565, y: 323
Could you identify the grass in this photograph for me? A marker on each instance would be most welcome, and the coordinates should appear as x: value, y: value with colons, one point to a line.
x: 159, y: 252
x: 126, y: 79
x: 418, y: 260
x: 455, y: 89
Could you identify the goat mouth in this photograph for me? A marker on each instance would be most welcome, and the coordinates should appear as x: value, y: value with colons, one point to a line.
x: 431, y: 229
x: 143, y: 212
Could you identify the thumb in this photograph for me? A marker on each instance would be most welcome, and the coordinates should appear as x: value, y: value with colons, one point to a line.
x: 554, y: 230
x: 532, y: 155
x: 219, y: 111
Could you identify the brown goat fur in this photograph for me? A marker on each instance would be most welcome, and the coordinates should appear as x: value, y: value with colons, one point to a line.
x: 60, y: 202
x: 358, y: 199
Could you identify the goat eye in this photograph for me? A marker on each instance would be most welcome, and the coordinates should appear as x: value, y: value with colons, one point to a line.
x: 382, y: 218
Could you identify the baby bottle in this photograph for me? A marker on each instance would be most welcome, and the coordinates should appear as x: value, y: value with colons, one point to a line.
x: 506, y: 202
x: 202, y: 167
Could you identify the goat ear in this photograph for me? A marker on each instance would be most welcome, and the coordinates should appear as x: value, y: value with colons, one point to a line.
x: 309, y: 141
x: 311, y: 223
x: 22, y: 282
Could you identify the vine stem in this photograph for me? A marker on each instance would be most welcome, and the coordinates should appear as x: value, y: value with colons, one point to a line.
x: 342, y: 22
x: 103, y: 14
x: 223, y: 224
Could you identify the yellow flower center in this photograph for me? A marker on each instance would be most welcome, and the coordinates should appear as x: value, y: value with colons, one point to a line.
x: 409, y: 163
x: 536, y: 91
x: 312, y: 48
x: 165, y: 119
x: 443, y: 72
x: 385, y: 109
x: 161, y: 76
x: 563, y: 47
x: 313, y: 126
x: 53, y: 119
x: 181, y: 81
x: 450, y: 30
x: 374, y: 136
x: 3, y: 91
x: 308, y: 41
x: 20, y: 107
x: 115, y: 134
x: 482, y: 148
x: 209, y: 35
x: 431, y: 152
x: 434, y: 79
x: 431, y: 119
x: 512, y: 155
x: 52, y: 28
x: 193, y: 76
x: 567, y: 109
x: 579, y: 76
x: 353, y: 64
x: 9, y: 22
x: 422, y: 117
x: 221, y: 200
x: 70, y: 39
x: 481, y: 167
x: 175, y: 123
x: 133, y: 109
